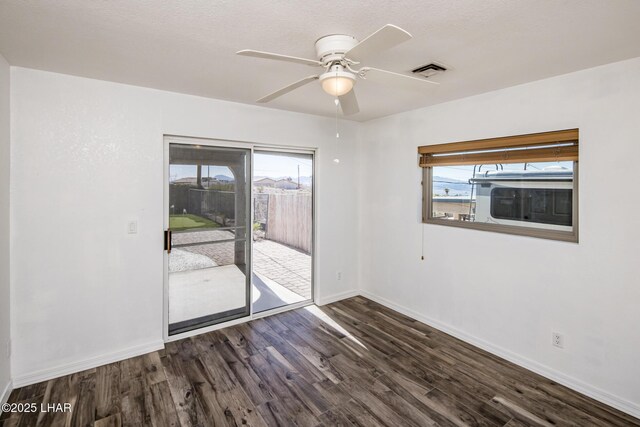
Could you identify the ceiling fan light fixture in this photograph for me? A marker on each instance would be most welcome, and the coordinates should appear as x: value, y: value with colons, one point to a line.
x: 336, y: 54
x: 337, y: 83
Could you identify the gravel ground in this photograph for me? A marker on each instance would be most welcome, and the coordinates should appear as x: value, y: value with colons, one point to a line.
x: 180, y: 260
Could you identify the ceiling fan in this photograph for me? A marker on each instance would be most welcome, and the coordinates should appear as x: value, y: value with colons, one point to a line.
x: 340, y: 55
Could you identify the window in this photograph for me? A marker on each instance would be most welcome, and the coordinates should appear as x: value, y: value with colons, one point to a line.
x: 524, y: 184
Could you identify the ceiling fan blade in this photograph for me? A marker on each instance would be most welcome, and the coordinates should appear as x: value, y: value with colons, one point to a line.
x: 349, y: 103
x: 278, y: 57
x: 287, y: 89
x: 383, y: 39
x: 395, y: 79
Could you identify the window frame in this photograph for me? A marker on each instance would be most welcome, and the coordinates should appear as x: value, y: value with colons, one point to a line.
x: 565, y: 236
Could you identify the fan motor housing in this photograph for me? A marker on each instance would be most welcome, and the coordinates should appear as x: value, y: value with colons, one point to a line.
x: 332, y: 48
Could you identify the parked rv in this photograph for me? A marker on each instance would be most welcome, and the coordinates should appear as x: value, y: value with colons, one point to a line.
x: 541, y: 198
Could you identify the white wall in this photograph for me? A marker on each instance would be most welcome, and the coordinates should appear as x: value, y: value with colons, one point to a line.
x: 508, y: 293
x: 87, y: 156
x: 5, y: 362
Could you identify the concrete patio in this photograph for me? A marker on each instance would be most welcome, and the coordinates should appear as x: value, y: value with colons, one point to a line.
x: 200, y: 274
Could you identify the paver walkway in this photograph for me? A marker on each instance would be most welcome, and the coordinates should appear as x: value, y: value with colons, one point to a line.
x: 284, y: 265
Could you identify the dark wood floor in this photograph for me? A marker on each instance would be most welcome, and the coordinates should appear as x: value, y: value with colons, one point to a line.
x: 352, y: 362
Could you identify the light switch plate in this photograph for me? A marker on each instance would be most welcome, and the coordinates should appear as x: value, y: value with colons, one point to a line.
x: 132, y: 227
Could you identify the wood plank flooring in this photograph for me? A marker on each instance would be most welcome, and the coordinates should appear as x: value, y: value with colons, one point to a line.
x: 353, y: 362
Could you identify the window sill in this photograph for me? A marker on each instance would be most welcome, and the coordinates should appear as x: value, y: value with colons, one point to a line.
x: 564, y: 236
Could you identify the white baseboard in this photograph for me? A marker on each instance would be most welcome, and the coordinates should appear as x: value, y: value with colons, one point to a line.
x: 337, y: 297
x: 89, y: 363
x: 4, y: 396
x: 605, y: 397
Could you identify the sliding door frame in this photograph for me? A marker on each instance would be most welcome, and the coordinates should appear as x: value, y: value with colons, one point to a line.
x: 286, y: 307
x: 252, y: 146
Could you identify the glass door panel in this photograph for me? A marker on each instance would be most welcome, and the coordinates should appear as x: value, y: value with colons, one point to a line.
x: 282, y: 229
x: 209, y: 215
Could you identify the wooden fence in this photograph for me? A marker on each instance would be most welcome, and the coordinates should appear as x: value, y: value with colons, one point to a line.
x: 289, y: 220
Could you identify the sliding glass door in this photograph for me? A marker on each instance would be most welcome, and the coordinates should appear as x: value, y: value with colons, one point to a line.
x: 239, y: 232
x: 209, y: 218
x: 282, y: 229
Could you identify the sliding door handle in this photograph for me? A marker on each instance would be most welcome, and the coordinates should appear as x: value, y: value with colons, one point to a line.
x: 167, y: 240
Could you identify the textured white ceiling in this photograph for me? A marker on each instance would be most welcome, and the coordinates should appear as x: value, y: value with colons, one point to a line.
x: 189, y: 45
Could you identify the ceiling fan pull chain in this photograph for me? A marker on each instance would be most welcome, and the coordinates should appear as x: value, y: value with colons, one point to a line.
x: 337, y: 101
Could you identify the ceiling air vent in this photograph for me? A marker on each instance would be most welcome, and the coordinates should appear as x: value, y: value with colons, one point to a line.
x: 429, y: 70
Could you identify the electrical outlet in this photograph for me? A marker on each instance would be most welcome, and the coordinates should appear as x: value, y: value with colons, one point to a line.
x: 339, y: 275
x: 557, y: 339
